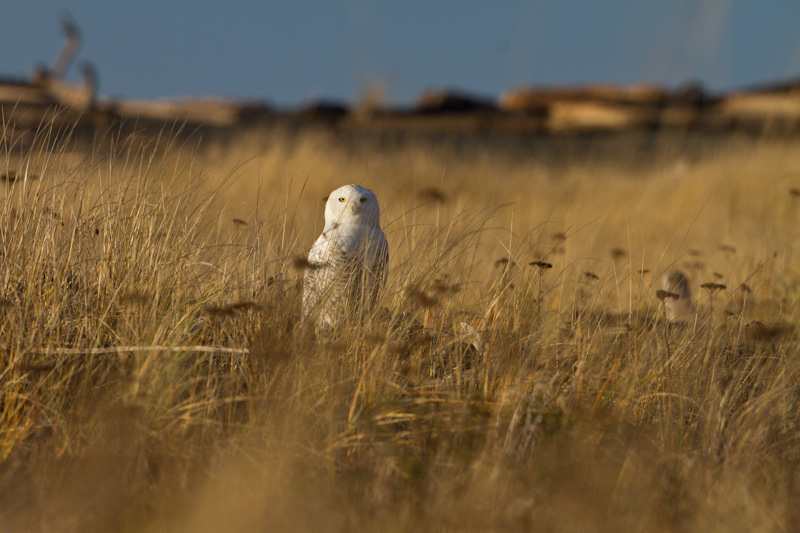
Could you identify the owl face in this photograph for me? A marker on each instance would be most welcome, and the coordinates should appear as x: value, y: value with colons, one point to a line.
x: 352, y: 204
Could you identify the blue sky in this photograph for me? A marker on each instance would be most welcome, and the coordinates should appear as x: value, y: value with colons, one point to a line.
x: 292, y: 51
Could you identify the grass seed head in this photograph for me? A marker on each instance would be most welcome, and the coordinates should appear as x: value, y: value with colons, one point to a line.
x: 695, y: 265
x: 618, y: 253
x: 432, y: 194
x: 541, y: 265
x: 421, y: 299
x: 12, y: 175
x: 504, y: 261
x: 662, y: 295
x: 758, y: 331
x: 712, y: 287
x: 441, y: 287
x: 744, y: 288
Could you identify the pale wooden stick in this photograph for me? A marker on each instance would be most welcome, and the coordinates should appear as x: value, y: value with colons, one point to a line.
x: 124, y: 349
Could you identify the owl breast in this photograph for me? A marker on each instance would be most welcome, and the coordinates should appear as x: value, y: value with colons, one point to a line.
x: 347, y: 268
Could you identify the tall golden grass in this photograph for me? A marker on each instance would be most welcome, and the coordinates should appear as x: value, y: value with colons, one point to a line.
x: 156, y: 374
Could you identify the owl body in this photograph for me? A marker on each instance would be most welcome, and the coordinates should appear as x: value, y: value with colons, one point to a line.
x: 347, y: 264
x: 679, y: 309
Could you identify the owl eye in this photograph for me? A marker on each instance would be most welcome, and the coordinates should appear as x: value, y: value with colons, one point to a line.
x: 362, y: 200
x: 342, y: 199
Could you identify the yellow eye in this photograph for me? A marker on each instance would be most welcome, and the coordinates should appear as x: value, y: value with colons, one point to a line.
x: 342, y: 200
x: 362, y: 200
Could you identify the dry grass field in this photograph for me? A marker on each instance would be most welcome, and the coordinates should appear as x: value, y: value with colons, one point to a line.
x: 489, y: 393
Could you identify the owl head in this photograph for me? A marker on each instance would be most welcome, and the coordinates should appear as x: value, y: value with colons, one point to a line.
x: 352, y: 204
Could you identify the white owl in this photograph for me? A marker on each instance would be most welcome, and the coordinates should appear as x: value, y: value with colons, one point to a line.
x: 347, y: 264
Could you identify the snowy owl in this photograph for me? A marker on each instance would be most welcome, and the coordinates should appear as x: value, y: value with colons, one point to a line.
x: 677, y: 309
x: 347, y: 264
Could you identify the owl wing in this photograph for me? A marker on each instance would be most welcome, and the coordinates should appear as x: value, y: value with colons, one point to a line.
x: 379, y: 257
x: 371, y: 273
x: 324, y: 262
